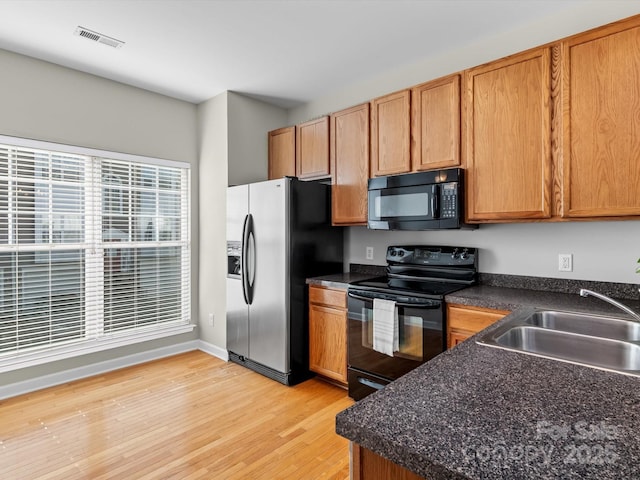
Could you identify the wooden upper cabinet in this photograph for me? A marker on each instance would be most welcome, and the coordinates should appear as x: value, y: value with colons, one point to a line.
x: 282, y: 153
x: 508, y: 137
x: 312, y: 149
x: 390, y: 134
x: 435, y: 124
x: 601, y: 117
x: 349, y: 152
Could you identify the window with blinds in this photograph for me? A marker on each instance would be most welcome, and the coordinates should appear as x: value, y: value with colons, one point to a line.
x: 90, y: 248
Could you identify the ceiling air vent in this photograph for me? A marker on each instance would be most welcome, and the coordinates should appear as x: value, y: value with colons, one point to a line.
x: 98, y: 37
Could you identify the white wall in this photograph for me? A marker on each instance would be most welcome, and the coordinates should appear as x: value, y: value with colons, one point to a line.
x: 604, y: 251
x: 213, y: 153
x: 249, y: 121
x: 232, y: 137
x: 43, y: 101
x: 574, y: 19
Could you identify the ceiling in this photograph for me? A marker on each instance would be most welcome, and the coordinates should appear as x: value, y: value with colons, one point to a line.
x: 286, y: 52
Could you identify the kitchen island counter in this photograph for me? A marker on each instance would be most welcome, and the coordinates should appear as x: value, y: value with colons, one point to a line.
x: 476, y: 412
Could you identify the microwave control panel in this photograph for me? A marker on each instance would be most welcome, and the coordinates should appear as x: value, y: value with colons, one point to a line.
x: 449, y: 200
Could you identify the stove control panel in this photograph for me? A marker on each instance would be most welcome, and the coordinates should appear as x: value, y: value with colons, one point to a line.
x: 432, y: 255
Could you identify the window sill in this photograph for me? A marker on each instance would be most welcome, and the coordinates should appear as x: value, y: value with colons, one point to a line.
x: 89, y: 346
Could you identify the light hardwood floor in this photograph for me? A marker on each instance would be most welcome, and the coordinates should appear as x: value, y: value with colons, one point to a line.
x: 191, y: 416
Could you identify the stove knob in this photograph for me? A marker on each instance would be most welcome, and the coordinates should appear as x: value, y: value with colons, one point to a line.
x: 401, y: 253
x: 465, y: 254
x: 393, y: 253
x: 454, y: 255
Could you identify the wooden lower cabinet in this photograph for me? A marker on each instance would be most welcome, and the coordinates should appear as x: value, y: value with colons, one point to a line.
x: 328, y: 333
x: 464, y: 321
x: 366, y: 465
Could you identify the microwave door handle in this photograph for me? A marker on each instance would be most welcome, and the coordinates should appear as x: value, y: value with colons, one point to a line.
x: 435, y: 202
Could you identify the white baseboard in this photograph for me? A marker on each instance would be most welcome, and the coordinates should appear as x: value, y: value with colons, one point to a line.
x: 31, y: 385
x: 214, y: 350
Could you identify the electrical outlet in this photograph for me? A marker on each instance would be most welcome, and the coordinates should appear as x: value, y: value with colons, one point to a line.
x: 211, y: 319
x: 369, y: 253
x: 565, y: 262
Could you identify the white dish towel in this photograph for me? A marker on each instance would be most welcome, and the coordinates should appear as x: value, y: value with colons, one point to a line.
x: 385, y: 326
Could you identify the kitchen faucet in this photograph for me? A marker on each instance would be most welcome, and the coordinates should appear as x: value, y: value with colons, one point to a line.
x: 585, y: 293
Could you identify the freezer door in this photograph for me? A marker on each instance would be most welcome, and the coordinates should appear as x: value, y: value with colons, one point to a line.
x: 269, y: 311
x: 237, y: 318
x: 237, y: 308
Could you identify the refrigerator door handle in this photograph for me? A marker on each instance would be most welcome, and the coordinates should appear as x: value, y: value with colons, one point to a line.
x: 248, y: 259
x: 244, y: 258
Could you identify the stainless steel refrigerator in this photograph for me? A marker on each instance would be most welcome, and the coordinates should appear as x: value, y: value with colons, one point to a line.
x: 279, y: 233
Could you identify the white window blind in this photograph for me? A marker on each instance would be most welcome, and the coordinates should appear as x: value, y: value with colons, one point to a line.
x: 90, y: 248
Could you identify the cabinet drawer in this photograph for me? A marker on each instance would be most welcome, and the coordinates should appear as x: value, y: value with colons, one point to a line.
x: 328, y: 296
x: 472, y: 319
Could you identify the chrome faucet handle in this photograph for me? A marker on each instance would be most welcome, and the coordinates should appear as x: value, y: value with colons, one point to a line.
x: 585, y: 293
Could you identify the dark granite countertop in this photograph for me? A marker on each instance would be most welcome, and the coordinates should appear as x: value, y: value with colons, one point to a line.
x: 476, y: 412
x: 356, y: 273
x: 338, y: 280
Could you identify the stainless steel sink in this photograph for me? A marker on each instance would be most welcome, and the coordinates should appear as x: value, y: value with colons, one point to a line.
x: 586, y: 324
x: 597, y: 341
x: 572, y: 347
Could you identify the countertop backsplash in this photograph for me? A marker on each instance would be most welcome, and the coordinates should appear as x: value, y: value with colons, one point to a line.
x: 560, y: 285
x: 373, y: 270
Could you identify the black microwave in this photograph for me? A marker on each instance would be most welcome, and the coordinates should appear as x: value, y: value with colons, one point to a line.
x: 417, y: 201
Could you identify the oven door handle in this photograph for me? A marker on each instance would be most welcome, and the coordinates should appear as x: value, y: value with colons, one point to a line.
x: 428, y: 304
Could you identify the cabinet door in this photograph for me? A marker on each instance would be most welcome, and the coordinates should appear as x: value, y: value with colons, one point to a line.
x: 601, y: 75
x: 282, y: 153
x: 457, y: 336
x: 435, y: 124
x: 312, y: 149
x: 367, y: 465
x: 508, y: 138
x: 350, y: 165
x: 327, y: 342
x: 390, y: 134
x: 465, y: 321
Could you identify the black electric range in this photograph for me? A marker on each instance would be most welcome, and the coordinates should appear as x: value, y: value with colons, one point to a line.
x: 418, y: 277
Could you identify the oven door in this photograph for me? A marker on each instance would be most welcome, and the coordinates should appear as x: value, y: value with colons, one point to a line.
x: 401, y: 207
x: 420, y: 330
